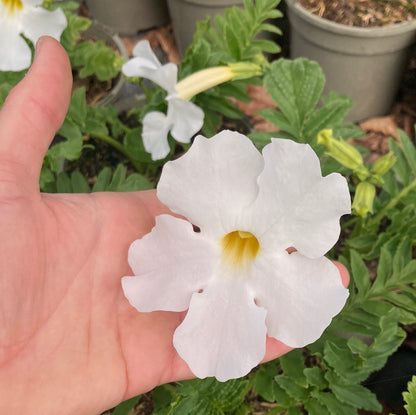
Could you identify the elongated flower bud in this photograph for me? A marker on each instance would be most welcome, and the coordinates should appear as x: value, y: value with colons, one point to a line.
x: 344, y: 153
x: 363, y: 199
x: 207, y: 78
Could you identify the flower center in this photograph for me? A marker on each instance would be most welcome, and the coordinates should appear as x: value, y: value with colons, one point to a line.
x: 239, y: 248
x: 12, y: 6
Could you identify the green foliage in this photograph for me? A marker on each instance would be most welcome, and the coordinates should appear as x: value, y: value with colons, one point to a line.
x: 201, y: 397
x: 410, y: 397
x: 96, y: 58
x: 296, y: 87
x: 235, y: 36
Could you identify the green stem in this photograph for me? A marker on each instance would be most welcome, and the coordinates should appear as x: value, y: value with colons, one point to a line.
x: 392, y: 203
x: 118, y: 146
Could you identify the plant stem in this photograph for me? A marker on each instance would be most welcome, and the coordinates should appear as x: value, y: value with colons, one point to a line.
x: 118, y: 146
x: 392, y: 203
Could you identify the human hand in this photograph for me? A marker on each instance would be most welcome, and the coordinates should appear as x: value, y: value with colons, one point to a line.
x: 69, y: 340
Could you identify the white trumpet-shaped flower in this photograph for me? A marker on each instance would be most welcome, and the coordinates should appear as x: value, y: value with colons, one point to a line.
x: 183, y: 119
x: 25, y: 17
x: 235, y: 275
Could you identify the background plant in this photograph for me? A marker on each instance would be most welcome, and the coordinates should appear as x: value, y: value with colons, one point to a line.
x: 327, y: 377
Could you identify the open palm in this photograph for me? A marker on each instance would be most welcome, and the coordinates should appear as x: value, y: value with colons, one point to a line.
x: 70, y: 343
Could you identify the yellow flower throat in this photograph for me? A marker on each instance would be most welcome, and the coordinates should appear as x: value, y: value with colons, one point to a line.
x: 12, y: 6
x: 239, y: 248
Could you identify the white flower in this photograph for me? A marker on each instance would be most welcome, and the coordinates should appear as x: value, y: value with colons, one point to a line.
x: 25, y: 17
x: 183, y: 119
x: 235, y: 276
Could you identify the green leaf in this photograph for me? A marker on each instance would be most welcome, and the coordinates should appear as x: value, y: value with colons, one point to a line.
x: 208, y: 396
x: 360, y: 274
x: 314, y: 407
x: 315, y: 377
x: 334, y: 406
x: 293, y: 365
x: 103, y: 180
x: 263, y: 380
x: 125, y: 407
x: 77, y: 111
x: 292, y: 388
x: 409, y: 150
x: 334, y: 109
x: 63, y: 183
x: 295, y: 86
x: 134, y: 145
x: 410, y: 397
x: 79, y: 183
x: 401, y: 167
x: 352, y: 394
x: 383, y: 270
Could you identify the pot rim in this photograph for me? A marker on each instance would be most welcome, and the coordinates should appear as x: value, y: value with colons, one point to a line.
x: 353, y: 31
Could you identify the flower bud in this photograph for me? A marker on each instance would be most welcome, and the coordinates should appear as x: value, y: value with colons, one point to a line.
x: 382, y: 165
x: 363, y: 199
x: 344, y: 153
x: 207, y: 78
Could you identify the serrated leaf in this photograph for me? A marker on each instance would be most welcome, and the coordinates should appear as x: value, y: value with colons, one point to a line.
x: 293, y: 389
x: 334, y: 406
x: 314, y: 407
x: 410, y: 397
x: 401, y: 167
x: 384, y: 269
x: 293, y: 365
x: 263, y: 380
x: 334, y: 109
x: 353, y: 394
x: 409, y: 150
x: 360, y: 274
x: 315, y: 377
x: 77, y: 111
x: 295, y: 86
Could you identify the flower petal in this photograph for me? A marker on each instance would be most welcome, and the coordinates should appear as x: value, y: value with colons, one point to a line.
x: 155, y: 134
x: 301, y: 295
x: 296, y: 205
x: 170, y: 264
x: 15, y: 54
x: 213, y: 182
x: 187, y: 119
x: 37, y: 22
x: 146, y: 65
x: 223, y: 334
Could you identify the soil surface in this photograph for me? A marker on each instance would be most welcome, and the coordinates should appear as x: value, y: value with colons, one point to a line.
x: 362, y: 13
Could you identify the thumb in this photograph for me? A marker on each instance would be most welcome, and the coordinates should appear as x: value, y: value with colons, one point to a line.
x: 32, y: 113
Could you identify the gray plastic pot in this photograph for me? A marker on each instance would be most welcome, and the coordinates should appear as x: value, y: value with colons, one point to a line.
x: 365, y: 63
x: 186, y: 13
x: 128, y: 17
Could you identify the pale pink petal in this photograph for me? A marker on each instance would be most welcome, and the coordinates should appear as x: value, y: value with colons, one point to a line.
x: 223, y: 334
x: 214, y: 183
x: 301, y: 295
x: 170, y: 263
x: 187, y: 119
x: 37, y: 22
x: 296, y: 205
